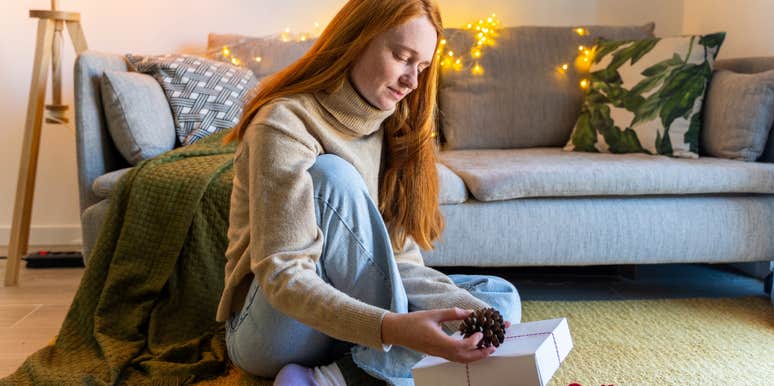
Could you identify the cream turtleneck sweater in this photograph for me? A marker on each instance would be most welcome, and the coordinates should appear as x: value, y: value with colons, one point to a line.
x: 273, y: 232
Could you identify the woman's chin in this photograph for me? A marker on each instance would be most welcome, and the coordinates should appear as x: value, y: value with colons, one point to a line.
x: 387, y: 105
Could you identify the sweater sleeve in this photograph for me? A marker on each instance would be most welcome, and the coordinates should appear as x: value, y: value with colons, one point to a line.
x: 286, y: 242
x: 427, y: 288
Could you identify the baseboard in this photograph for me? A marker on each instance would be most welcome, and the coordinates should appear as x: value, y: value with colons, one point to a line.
x: 53, y: 237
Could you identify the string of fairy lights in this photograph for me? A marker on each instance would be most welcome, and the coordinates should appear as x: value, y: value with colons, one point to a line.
x: 226, y: 52
x: 582, y: 61
x: 484, y: 31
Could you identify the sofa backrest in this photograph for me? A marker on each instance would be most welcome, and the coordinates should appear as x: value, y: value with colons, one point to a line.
x: 274, y: 53
x: 521, y: 100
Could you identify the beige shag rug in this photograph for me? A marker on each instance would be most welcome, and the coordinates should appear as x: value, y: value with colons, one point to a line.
x: 696, y: 341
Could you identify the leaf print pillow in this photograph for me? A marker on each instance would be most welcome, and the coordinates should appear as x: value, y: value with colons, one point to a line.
x: 645, y: 96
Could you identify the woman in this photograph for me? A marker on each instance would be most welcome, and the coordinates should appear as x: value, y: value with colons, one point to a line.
x: 317, y: 274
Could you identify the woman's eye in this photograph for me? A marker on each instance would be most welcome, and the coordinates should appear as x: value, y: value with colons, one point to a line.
x: 402, y: 59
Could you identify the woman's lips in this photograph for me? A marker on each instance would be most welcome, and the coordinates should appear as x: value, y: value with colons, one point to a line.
x: 396, y: 94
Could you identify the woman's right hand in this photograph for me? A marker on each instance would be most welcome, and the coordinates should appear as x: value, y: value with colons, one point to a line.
x: 421, y: 331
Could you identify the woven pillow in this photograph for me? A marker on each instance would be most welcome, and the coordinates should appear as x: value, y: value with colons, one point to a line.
x: 138, y: 116
x: 273, y: 53
x: 519, y: 101
x: 646, y: 96
x: 206, y: 96
x: 738, y: 114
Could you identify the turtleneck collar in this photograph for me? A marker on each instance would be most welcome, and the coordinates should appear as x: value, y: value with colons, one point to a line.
x: 352, y: 110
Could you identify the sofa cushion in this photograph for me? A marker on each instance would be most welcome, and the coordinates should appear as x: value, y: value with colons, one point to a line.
x: 520, y: 100
x: 493, y: 175
x: 738, y: 115
x: 451, y: 188
x: 206, y: 96
x: 138, y: 115
x: 646, y: 96
x: 103, y: 185
x: 263, y: 55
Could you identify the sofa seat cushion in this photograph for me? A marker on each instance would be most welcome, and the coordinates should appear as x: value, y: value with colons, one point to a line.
x: 103, y: 185
x: 493, y: 175
x: 451, y: 188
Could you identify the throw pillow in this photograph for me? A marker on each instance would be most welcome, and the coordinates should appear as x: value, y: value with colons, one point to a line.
x: 520, y: 100
x: 206, y: 96
x: 138, y: 115
x: 646, y: 96
x: 262, y: 55
x: 738, y: 114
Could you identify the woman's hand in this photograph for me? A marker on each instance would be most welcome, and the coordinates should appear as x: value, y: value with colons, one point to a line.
x: 421, y: 331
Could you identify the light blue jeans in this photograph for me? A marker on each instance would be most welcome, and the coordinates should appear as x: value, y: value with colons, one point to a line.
x: 357, y: 258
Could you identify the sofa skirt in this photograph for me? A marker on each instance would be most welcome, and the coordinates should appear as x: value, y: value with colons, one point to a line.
x: 607, y: 230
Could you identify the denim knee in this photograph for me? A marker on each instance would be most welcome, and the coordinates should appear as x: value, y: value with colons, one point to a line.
x: 495, y: 291
x: 509, y: 303
x: 333, y: 174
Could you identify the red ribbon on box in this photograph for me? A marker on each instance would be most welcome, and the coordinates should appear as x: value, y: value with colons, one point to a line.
x: 556, y: 346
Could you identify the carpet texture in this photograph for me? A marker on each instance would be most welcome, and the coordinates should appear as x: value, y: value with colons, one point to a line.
x: 707, y: 341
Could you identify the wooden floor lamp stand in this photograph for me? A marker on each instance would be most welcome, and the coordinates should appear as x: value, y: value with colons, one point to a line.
x: 48, y: 51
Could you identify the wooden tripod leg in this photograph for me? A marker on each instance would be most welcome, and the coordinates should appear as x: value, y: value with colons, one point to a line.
x: 25, y: 188
x: 76, y: 35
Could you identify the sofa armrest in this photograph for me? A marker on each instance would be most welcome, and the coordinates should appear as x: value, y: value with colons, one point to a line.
x: 752, y: 65
x: 96, y: 153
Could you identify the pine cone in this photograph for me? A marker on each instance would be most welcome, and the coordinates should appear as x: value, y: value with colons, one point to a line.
x: 489, y: 322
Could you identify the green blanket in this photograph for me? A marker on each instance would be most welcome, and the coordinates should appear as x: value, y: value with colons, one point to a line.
x: 145, y: 309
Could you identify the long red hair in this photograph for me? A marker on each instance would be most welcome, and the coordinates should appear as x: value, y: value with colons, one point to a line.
x: 408, y: 187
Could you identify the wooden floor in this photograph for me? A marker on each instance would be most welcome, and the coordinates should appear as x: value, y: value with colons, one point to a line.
x: 31, y: 313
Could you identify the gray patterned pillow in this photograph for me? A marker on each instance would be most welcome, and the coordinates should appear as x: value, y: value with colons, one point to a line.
x: 206, y: 96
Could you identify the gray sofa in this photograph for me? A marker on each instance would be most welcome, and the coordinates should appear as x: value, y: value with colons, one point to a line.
x: 534, y: 206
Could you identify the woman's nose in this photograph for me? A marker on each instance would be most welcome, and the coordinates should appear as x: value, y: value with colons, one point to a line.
x: 409, y: 80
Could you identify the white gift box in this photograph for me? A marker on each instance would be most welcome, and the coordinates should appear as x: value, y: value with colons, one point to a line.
x: 529, y: 356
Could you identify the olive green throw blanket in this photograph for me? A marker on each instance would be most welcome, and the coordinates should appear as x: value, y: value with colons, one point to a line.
x: 145, y: 309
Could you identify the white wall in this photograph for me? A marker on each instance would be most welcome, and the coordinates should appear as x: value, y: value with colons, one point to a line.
x: 156, y: 26
x: 748, y: 26
x: 667, y: 14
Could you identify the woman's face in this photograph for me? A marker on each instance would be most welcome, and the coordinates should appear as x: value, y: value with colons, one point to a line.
x: 389, y: 67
